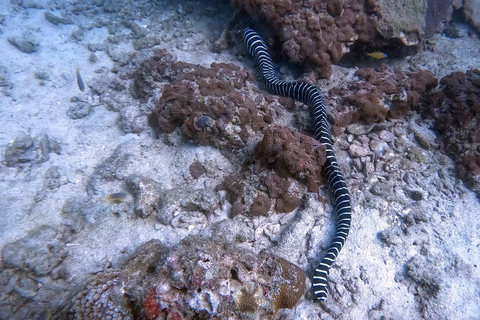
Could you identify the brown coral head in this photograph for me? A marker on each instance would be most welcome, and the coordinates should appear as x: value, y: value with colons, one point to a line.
x: 293, y: 154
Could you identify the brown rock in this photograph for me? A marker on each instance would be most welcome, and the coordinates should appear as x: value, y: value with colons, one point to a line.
x: 196, y: 169
x: 316, y: 33
x: 381, y: 87
x: 456, y: 111
x: 199, y: 278
x: 212, y: 106
x: 293, y: 154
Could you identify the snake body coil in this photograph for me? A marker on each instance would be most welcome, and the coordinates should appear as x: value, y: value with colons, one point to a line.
x: 310, y: 95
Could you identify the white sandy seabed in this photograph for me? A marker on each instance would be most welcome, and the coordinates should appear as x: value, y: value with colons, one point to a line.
x: 399, y: 250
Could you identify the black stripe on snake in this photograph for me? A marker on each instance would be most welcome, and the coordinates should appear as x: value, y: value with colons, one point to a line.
x: 310, y: 95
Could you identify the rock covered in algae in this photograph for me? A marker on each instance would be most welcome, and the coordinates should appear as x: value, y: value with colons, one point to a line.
x: 201, y: 277
x: 214, y: 105
x: 455, y: 107
x: 317, y: 33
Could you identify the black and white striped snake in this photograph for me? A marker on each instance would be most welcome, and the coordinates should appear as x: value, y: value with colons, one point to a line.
x: 310, y: 95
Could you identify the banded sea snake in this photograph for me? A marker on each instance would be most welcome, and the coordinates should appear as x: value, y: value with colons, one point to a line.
x: 310, y: 95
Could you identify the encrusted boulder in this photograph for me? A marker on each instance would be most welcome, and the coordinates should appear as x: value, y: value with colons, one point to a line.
x: 286, y: 164
x: 293, y: 154
x: 201, y: 277
x: 379, y: 94
x: 218, y: 105
x: 456, y: 110
x: 316, y: 33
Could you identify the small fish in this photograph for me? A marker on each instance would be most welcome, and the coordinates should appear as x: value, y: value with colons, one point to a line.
x: 377, y: 55
x: 80, y: 83
x: 117, y: 197
x: 45, y: 315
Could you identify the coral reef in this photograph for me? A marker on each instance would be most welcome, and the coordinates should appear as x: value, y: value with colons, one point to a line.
x: 292, y: 154
x: 213, y: 106
x: 423, y: 271
x: 26, y: 43
x: 456, y: 110
x: 403, y: 187
x: 438, y: 13
x: 103, y: 298
x: 201, y: 277
x: 280, y: 158
x: 316, y: 33
x: 279, y: 188
x: 235, y: 187
x: 381, y: 93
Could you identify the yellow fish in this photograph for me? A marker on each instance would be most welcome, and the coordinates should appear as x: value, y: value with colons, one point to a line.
x: 377, y: 55
x: 117, y: 197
